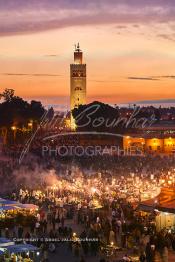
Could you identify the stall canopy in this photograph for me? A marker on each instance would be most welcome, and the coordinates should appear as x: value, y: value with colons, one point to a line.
x: 1, y: 252
x: 21, y: 248
x: 27, y: 206
x: 4, y: 242
x: 6, y: 208
x: 7, y: 202
x: 6, y: 205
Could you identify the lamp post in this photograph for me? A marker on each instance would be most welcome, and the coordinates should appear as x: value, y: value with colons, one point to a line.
x: 14, y: 129
x: 30, y: 125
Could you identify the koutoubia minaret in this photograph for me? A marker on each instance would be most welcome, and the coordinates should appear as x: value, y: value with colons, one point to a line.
x: 77, y: 82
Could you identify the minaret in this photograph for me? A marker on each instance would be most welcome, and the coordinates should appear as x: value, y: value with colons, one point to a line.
x: 77, y: 82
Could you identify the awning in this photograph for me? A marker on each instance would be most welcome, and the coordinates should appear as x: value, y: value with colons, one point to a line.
x: 146, y: 208
x: 164, y: 202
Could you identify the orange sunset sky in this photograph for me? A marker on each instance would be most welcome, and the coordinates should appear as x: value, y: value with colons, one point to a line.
x: 129, y: 49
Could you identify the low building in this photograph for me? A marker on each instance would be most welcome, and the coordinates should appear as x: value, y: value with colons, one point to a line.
x: 159, y: 138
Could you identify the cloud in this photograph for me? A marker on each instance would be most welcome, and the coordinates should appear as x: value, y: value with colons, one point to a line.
x: 121, y: 27
x: 151, y: 78
x: 103, y: 81
x: 19, y: 16
x: 143, y: 78
x: 136, y: 26
x: 170, y: 37
x: 21, y: 74
x: 170, y: 76
x: 51, y: 55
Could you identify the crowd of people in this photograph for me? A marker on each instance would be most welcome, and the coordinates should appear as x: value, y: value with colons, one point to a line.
x: 102, y: 232
x: 88, y: 202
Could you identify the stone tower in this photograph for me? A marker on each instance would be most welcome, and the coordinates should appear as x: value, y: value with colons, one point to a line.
x: 77, y: 82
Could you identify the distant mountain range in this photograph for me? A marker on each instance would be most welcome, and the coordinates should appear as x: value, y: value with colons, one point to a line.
x: 160, y: 101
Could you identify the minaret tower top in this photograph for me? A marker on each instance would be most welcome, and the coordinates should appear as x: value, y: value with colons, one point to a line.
x: 78, y: 55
